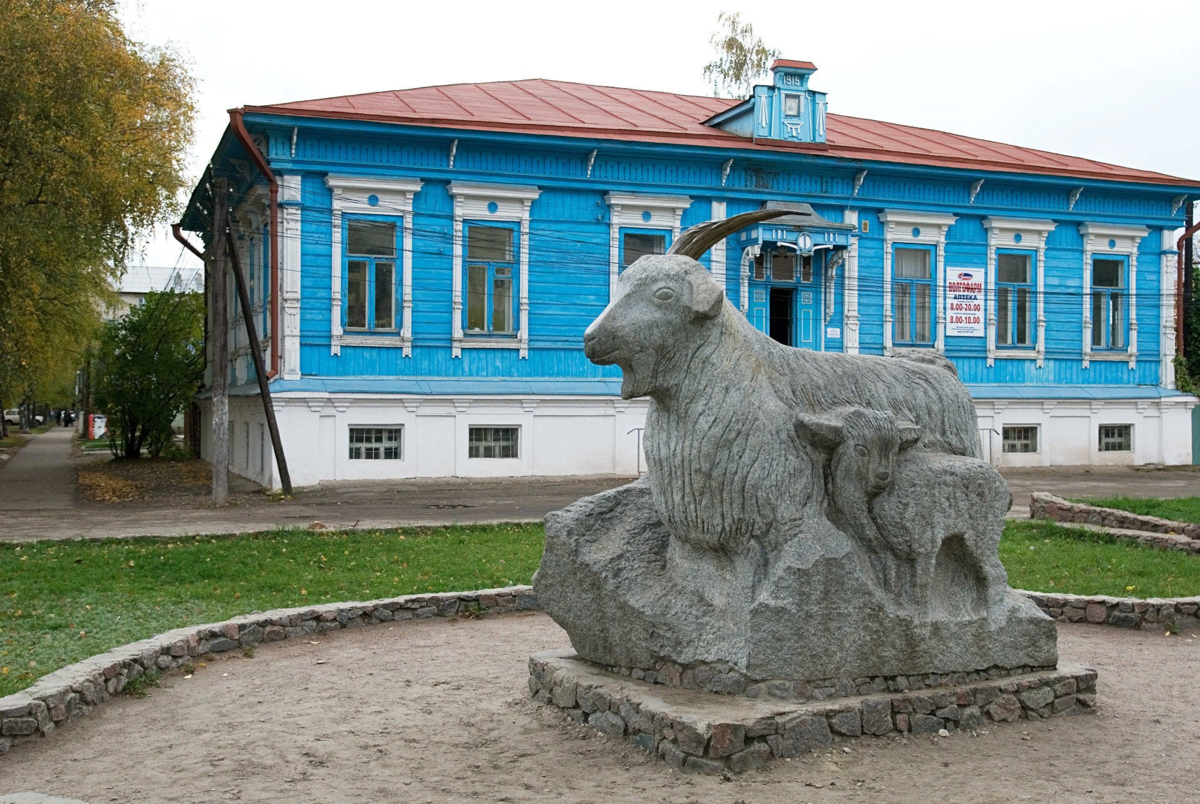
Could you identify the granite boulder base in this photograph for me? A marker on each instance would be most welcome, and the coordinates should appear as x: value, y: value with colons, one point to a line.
x: 630, y: 596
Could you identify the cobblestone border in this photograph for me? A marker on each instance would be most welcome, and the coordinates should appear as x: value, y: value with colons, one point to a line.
x: 1169, y: 534
x: 746, y: 734
x: 60, y: 697
x: 56, y: 699
x: 1151, y: 614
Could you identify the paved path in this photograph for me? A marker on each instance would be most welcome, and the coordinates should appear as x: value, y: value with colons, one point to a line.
x: 38, y: 501
x: 41, y: 476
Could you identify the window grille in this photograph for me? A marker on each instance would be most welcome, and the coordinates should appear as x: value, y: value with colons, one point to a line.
x: 375, y: 443
x: 1021, y: 439
x: 1116, y: 438
x: 493, y: 442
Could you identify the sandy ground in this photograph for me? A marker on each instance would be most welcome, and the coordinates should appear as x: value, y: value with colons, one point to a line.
x: 436, y: 711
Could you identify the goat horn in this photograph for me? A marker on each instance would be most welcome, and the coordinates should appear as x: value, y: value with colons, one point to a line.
x: 700, y: 238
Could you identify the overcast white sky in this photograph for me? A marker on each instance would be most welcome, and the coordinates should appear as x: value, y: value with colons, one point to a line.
x: 1106, y: 80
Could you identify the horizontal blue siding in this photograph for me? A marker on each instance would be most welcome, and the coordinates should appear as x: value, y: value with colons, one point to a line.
x: 568, y: 248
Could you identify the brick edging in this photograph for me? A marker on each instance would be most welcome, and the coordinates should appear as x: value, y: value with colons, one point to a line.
x: 1176, y: 535
x: 56, y: 699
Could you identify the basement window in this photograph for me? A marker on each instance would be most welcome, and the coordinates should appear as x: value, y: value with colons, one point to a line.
x: 1116, y: 438
x: 375, y: 443
x: 493, y: 442
x: 1021, y: 439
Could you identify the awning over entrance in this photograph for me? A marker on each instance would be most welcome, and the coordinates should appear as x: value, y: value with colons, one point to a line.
x: 804, y: 231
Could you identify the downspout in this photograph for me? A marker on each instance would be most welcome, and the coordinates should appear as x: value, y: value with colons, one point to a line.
x: 243, y: 136
x: 1179, y: 250
x: 177, y: 230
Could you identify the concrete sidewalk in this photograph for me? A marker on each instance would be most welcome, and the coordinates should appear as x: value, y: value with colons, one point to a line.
x: 41, y: 476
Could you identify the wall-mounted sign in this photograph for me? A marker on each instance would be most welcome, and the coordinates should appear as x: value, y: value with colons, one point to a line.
x: 964, y: 303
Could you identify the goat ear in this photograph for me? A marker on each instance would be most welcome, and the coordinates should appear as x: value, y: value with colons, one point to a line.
x: 909, y: 434
x: 820, y: 432
x: 707, y: 297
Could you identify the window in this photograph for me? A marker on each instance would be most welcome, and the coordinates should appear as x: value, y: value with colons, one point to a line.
x: 783, y: 266
x: 1015, y: 316
x: 370, y: 275
x: 760, y: 267
x: 493, y: 442
x: 491, y: 268
x: 912, y: 296
x: 1020, y: 439
x: 375, y: 443
x: 635, y: 245
x: 806, y: 268
x: 1116, y: 438
x: 1108, y: 303
x: 262, y: 448
x: 791, y: 105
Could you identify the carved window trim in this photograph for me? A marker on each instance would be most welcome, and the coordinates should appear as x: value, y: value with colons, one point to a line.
x: 930, y: 230
x: 1101, y: 240
x: 1017, y: 234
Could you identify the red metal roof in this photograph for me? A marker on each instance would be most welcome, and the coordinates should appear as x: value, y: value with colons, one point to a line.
x: 561, y: 108
x: 795, y: 65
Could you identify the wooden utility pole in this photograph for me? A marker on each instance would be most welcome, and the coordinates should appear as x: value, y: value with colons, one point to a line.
x: 285, y: 478
x: 218, y: 274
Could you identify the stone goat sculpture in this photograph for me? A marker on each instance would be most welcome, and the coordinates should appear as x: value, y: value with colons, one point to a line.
x: 725, y: 464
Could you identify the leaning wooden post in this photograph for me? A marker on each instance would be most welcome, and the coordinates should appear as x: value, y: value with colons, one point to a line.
x: 285, y: 479
x: 219, y: 332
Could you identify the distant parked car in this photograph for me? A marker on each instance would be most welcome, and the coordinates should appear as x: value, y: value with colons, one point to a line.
x: 13, y: 417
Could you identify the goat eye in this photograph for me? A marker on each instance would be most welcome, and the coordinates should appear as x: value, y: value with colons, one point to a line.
x: 664, y: 294
x: 860, y: 450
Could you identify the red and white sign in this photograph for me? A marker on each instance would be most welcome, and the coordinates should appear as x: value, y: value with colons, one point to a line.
x: 964, y: 303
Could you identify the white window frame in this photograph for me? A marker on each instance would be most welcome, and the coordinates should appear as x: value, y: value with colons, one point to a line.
x: 1124, y: 241
x: 1100, y: 428
x: 629, y: 210
x: 520, y: 438
x: 897, y: 231
x: 399, y: 443
x: 1037, y: 438
x: 394, y: 199
x: 1019, y: 234
x: 481, y: 203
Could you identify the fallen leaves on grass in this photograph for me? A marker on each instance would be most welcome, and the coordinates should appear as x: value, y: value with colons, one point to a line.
x: 102, y: 487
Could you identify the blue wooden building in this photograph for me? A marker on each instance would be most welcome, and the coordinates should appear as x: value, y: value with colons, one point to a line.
x: 424, y: 262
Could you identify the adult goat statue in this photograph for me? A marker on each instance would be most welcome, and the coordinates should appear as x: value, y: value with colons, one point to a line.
x: 725, y: 465
x: 733, y: 552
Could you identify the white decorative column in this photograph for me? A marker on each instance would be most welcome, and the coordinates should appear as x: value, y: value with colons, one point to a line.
x: 1017, y: 234
x: 718, y: 249
x: 289, y: 276
x: 902, y: 227
x: 850, y: 290
x: 523, y: 284
x: 748, y: 256
x: 633, y: 211
x: 486, y: 203
x: 358, y: 195
x: 456, y: 302
x: 1167, y: 310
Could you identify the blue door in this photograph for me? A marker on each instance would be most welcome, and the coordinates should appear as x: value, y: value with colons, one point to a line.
x: 760, y: 307
x: 808, y: 304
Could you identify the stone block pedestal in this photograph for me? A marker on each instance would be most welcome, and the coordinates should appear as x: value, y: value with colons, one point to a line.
x: 711, y: 732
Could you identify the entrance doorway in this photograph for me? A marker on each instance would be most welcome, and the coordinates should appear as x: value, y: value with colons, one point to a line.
x: 782, y: 310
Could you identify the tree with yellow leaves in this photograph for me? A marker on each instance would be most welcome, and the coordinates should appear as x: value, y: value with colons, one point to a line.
x: 94, y: 131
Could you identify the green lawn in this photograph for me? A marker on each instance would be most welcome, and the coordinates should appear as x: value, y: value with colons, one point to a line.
x: 64, y: 601
x: 1045, y: 557
x: 1179, y: 509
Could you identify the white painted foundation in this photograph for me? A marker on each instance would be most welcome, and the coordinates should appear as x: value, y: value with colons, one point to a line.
x: 592, y: 435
